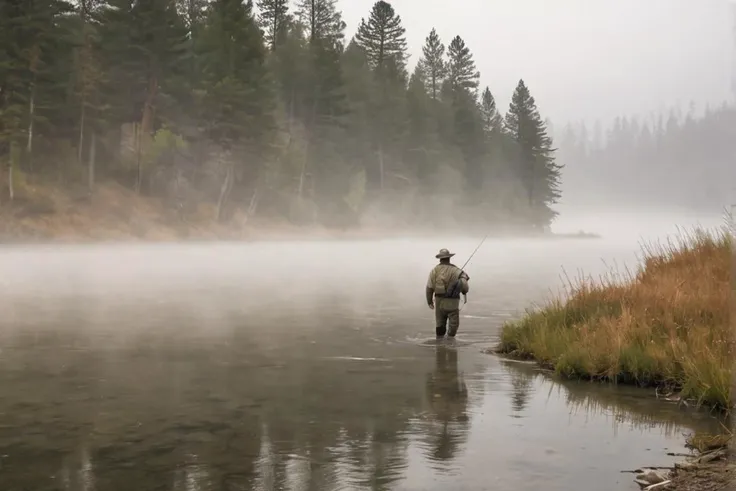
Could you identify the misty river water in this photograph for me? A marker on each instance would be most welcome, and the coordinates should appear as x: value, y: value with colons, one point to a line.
x: 302, y: 366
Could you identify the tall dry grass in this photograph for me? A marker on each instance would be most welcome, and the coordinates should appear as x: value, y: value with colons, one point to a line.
x: 666, y: 325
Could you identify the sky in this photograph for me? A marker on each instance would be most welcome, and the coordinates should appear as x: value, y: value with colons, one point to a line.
x: 583, y: 59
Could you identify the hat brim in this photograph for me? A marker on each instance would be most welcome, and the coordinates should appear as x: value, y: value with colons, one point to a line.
x: 444, y: 256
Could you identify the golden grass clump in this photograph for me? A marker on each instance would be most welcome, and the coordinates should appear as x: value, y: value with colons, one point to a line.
x: 667, y: 325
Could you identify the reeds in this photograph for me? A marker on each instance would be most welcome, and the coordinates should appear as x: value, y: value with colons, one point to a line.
x: 665, y: 325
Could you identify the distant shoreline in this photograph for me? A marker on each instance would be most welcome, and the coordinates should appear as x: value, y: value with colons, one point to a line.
x: 116, y: 215
x: 287, y: 234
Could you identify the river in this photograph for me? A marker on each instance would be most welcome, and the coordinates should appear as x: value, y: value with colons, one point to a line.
x: 302, y: 366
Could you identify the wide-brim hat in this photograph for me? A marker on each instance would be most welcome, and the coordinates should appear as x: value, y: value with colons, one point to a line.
x: 444, y: 254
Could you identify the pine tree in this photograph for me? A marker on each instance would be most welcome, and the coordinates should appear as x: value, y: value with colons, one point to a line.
x: 383, y: 38
x: 160, y: 40
x: 236, y: 86
x: 539, y: 172
x: 492, y: 121
x: 120, y: 61
x: 31, y: 40
x: 422, y: 145
x: 237, y: 100
x: 323, y: 21
x: 433, y: 66
x: 469, y: 137
x: 193, y: 13
x: 323, y: 90
x: 467, y: 124
x: 323, y: 85
x: 360, y: 96
x: 273, y: 19
x: 265, y: 102
x: 144, y: 47
x: 89, y: 77
x: 290, y: 66
x: 462, y: 73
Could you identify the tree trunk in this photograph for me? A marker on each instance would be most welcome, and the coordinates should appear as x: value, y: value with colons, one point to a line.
x: 146, y: 126
x: 274, y: 28
x: 83, y: 10
x: 148, y: 106
x: 225, y: 189
x: 31, y: 115
x: 303, y: 172
x: 138, y: 159
x: 291, y: 116
x: 11, y: 191
x: 253, y: 204
x: 80, y: 145
x: 380, y: 165
x: 91, y: 163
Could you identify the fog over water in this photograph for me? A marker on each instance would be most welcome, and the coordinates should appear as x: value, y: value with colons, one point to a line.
x: 306, y: 365
x: 312, y: 364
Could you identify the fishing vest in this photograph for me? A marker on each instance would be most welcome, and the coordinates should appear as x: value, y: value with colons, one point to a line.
x: 446, y: 277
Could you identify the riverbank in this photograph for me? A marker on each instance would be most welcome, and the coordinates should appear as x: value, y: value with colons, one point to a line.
x: 665, y: 326
x: 713, y: 468
x: 113, y: 213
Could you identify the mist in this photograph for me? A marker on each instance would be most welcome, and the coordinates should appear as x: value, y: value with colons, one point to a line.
x: 635, y: 98
x: 218, y: 222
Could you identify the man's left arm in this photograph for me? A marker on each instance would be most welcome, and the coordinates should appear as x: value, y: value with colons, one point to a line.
x: 429, y: 290
x: 464, y: 285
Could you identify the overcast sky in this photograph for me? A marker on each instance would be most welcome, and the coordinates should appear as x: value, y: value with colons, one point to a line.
x: 583, y: 58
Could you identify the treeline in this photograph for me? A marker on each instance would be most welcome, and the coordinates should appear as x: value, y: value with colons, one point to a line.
x: 266, y: 110
x: 678, y: 160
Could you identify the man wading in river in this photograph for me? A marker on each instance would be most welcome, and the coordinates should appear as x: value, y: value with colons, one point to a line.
x: 445, y: 284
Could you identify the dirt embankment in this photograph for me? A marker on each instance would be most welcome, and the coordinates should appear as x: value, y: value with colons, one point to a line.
x: 46, y: 213
x: 716, y: 476
x: 113, y: 213
x: 714, y: 467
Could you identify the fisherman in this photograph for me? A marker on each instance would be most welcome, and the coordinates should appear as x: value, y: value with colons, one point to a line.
x: 445, y: 284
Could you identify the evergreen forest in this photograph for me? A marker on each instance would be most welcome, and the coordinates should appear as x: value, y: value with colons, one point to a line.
x: 266, y: 109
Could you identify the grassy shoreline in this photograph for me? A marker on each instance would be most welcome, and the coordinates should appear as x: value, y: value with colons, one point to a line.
x: 666, y: 326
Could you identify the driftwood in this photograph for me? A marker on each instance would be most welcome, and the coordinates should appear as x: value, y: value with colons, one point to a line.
x: 655, y: 486
x: 645, y: 468
x: 714, y: 455
x: 649, y: 479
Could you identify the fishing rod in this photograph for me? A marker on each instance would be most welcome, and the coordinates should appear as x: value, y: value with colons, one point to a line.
x: 473, y: 254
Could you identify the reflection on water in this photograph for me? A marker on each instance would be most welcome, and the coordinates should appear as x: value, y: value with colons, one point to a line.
x: 522, y: 386
x: 126, y: 381
x: 448, y: 398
